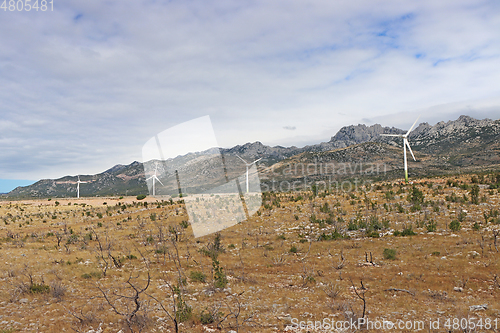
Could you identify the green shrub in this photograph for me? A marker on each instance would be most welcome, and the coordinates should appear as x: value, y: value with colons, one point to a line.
x: 352, y: 226
x: 455, y: 225
x: 389, y: 254
x: 332, y: 236
x: 197, y: 276
x: 408, y: 232
x: 294, y: 249
x: 431, y: 226
x: 141, y: 197
x: 39, y: 288
x: 206, y: 317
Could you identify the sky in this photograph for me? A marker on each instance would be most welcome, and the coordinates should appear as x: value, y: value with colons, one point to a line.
x: 85, y: 84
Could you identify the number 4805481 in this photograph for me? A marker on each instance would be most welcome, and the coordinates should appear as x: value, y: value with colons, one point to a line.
x: 27, y: 5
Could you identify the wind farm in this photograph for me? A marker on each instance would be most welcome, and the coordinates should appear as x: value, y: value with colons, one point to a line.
x: 310, y: 248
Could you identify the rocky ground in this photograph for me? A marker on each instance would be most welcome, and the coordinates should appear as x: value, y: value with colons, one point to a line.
x: 394, y: 253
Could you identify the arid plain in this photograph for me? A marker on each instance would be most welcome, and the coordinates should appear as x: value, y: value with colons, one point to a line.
x: 392, y: 252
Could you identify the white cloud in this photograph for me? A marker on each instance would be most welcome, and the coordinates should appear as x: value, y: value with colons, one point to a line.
x: 85, y: 86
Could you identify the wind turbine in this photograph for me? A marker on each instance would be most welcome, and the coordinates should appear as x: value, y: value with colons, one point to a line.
x: 78, y: 187
x: 154, y: 178
x: 248, y: 165
x: 405, y: 144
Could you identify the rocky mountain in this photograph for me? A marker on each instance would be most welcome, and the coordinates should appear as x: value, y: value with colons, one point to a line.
x: 451, y: 146
x: 119, y: 180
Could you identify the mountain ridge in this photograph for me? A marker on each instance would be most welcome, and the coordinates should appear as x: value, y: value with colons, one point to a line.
x: 464, y: 142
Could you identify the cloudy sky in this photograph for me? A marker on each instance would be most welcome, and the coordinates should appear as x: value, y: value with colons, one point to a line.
x: 85, y: 86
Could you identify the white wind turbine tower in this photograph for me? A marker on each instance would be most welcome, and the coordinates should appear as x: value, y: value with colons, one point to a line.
x: 248, y: 165
x: 155, y: 178
x: 78, y: 187
x: 405, y: 144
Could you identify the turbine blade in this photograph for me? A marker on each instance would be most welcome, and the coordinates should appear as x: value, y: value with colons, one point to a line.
x: 256, y: 161
x: 408, y: 145
x: 150, y: 177
x: 411, y: 128
x: 159, y: 181
x: 397, y: 135
x: 242, y: 159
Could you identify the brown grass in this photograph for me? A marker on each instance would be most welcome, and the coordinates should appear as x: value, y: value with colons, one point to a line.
x: 267, y: 284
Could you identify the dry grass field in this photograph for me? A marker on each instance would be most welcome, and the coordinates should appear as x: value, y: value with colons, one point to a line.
x: 417, y: 252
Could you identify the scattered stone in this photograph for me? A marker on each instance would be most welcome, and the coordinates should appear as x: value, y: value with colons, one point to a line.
x: 23, y: 300
x: 478, y: 307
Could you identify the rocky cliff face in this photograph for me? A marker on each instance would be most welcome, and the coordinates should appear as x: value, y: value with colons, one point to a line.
x: 463, y: 131
x: 351, y: 135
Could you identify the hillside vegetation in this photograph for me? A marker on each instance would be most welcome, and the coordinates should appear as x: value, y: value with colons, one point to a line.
x: 389, y: 251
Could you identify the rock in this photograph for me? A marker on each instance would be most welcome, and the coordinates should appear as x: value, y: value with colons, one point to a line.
x: 473, y: 254
x: 478, y: 307
x: 459, y: 289
x: 23, y: 300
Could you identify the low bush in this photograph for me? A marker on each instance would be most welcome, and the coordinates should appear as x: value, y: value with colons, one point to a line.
x: 197, y: 276
x: 389, y: 254
x: 455, y: 225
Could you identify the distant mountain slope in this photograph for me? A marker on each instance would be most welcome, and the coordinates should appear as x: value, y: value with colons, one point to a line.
x: 444, y: 147
x: 119, y: 180
x: 463, y: 142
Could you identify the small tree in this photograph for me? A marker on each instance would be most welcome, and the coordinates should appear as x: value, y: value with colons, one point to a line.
x: 474, y: 194
x: 416, y: 196
x: 220, y: 279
